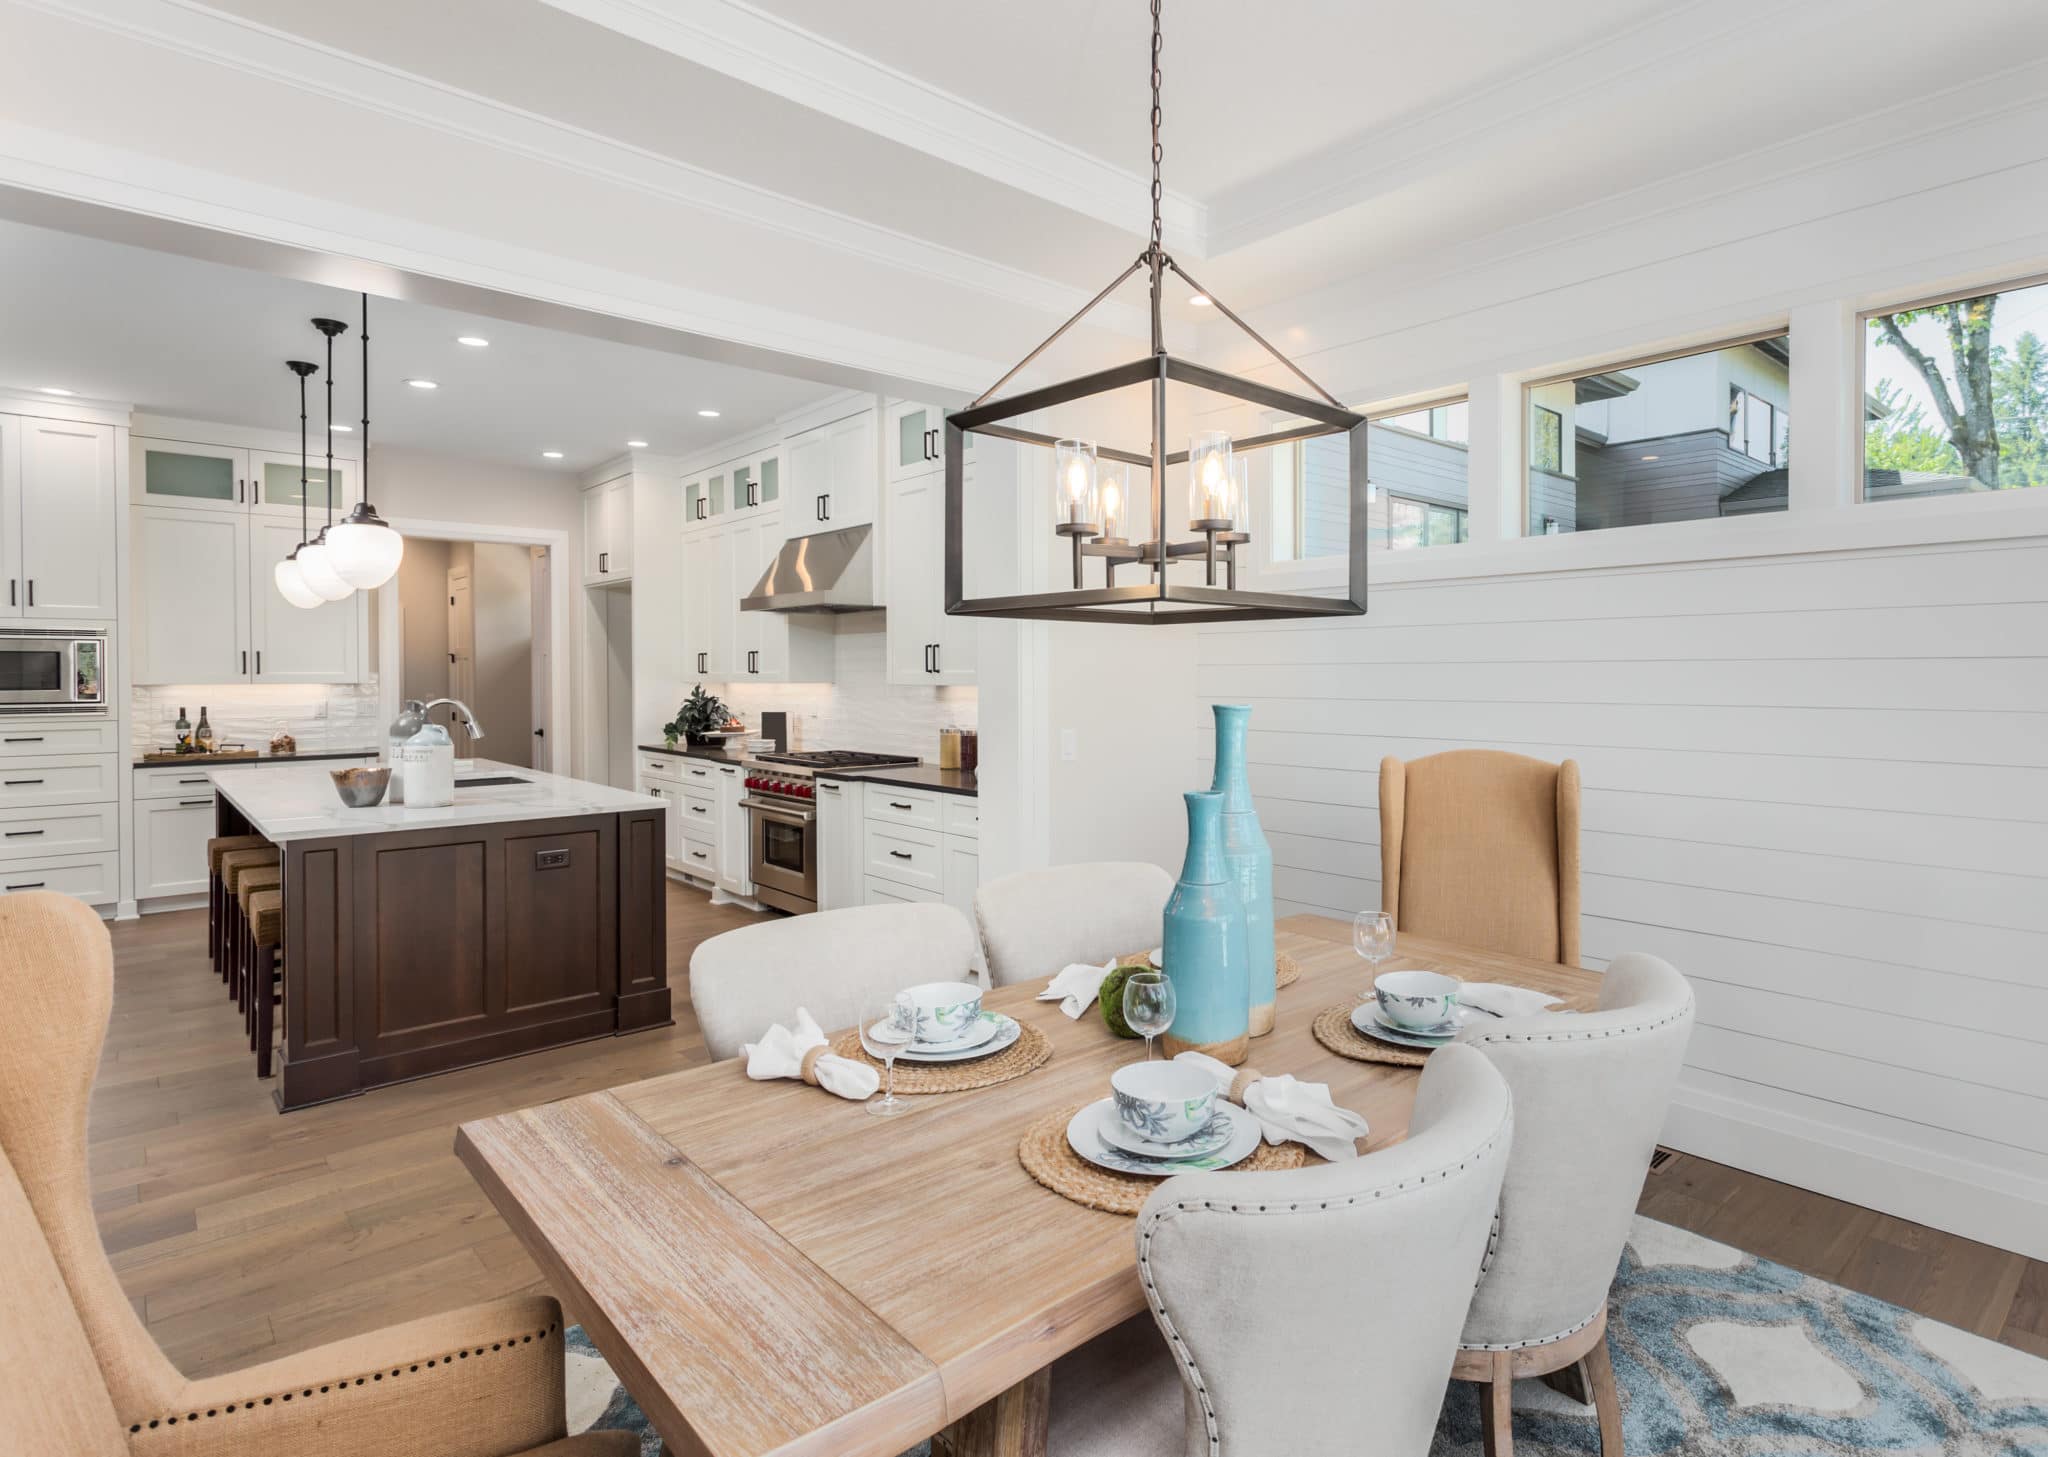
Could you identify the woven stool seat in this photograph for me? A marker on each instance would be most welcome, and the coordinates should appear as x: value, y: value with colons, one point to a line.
x: 220, y: 845
x: 256, y: 878
x: 235, y: 862
x: 266, y: 917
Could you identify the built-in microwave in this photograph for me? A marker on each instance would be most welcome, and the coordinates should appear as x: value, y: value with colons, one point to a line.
x: 49, y: 670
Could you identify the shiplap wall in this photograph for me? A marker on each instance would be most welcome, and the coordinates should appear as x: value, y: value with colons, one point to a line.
x: 1817, y: 784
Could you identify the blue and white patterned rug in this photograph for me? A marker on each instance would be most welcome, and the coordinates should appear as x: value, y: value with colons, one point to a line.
x: 1718, y: 1354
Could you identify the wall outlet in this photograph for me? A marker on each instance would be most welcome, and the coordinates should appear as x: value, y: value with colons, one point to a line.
x: 1070, y: 744
x: 320, y: 708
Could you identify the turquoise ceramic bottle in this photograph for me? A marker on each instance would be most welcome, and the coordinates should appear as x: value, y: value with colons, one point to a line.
x: 1249, y: 857
x: 1204, y: 945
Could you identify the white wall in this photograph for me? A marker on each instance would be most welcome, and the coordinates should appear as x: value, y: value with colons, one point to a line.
x: 422, y: 594
x: 501, y: 597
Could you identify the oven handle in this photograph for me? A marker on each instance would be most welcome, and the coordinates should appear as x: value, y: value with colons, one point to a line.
x: 787, y: 814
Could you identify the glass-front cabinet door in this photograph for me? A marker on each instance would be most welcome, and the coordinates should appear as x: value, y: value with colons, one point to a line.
x: 275, y: 485
x: 177, y: 473
x: 916, y: 436
x: 744, y: 488
x: 696, y: 507
x: 717, y: 502
x: 768, y: 473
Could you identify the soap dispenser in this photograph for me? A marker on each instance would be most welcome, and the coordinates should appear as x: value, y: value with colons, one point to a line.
x: 412, y: 717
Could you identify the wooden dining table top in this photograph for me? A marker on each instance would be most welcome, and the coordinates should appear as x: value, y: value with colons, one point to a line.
x: 768, y: 1269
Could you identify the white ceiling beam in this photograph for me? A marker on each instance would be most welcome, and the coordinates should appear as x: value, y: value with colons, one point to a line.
x: 767, y: 52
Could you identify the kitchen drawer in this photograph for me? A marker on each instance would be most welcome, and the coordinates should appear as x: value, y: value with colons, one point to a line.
x: 893, y: 893
x: 71, y: 829
x: 170, y: 846
x: 918, y: 807
x: 699, y: 858
x: 59, y: 779
x: 56, y: 735
x: 661, y: 766
x: 696, y: 773
x: 699, y: 809
x: 95, y: 879
x: 176, y: 783
x: 907, y: 856
x: 960, y: 815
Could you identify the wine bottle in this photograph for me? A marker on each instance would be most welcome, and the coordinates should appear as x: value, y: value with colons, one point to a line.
x: 203, y: 739
x: 184, y: 732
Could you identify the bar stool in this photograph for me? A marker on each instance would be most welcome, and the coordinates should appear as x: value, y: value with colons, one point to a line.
x: 233, y: 865
x: 216, y: 905
x: 265, y: 916
x: 251, y: 879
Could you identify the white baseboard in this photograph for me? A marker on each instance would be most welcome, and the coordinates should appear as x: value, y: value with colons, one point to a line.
x: 1961, y: 1196
x: 123, y: 911
x: 167, y: 903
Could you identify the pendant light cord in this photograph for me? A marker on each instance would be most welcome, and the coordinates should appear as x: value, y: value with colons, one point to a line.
x: 1158, y: 147
x: 366, y: 397
x: 330, y: 428
x: 305, y: 523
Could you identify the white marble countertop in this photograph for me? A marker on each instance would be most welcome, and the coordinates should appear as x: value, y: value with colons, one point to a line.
x: 298, y: 802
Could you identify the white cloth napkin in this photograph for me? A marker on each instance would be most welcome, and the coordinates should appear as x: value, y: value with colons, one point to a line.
x: 1075, y: 987
x: 780, y: 1054
x: 1288, y: 1108
x: 1503, y: 1000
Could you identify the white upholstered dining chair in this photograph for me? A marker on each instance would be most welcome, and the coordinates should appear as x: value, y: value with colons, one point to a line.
x: 838, y: 964
x: 1279, y: 1299
x: 1035, y: 922
x: 1590, y: 1097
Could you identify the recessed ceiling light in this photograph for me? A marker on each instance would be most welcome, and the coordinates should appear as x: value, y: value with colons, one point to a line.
x: 1649, y: 457
x: 1200, y: 300
x: 423, y: 384
x: 551, y: 454
x: 474, y: 341
x: 636, y: 445
x: 50, y: 389
x: 343, y: 429
x: 709, y: 414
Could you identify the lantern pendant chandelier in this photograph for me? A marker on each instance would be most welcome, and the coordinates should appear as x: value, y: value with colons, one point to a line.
x: 1093, y: 483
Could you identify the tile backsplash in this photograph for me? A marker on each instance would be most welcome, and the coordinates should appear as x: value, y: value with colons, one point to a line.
x: 861, y: 709
x: 319, y: 715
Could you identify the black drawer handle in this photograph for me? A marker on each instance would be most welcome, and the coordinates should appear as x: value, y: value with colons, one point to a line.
x: 31, y: 739
x: 183, y: 802
x: 698, y: 855
x: 12, y: 782
x: 899, y: 804
x: 902, y: 855
x: 200, y: 780
x: 696, y: 809
x: 28, y: 885
x: 24, y: 834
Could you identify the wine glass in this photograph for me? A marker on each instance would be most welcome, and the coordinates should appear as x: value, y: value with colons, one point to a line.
x: 1372, y: 936
x: 1148, y: 1005
x: 885, y: 1035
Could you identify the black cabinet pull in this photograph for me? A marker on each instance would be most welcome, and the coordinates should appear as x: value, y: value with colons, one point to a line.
x: 603, y: 558
x: 32, y: 602
x: 24, y: 834
x: 935, y: 658
x: 28, y: 885
x: 12, y: 782
x: 899, y: 804
x: 902, y: 855
x: 11, y: 584
x: 190, y: 802
x: 30, y: 739
x: 259, y: 662
x: 245, y: 662
x: 200, y: 780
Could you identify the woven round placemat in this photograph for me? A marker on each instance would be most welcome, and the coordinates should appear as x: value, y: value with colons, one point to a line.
x: 1286, y: 971
x: 1048, y: 1158
x: 1020, y: 1057
x: 1334, y: 1030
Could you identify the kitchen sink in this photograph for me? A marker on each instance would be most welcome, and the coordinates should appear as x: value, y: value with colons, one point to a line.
x: 483, y: 780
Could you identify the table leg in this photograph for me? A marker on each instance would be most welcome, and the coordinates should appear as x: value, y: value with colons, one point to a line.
x: 1012, y: 1425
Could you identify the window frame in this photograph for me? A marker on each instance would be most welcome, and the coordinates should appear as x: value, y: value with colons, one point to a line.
x: 1861, y: 475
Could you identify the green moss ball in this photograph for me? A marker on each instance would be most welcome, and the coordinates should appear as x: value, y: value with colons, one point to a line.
x: 1111, y: 1000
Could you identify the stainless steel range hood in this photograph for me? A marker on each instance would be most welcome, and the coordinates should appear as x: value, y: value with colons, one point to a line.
x: 833, y: 571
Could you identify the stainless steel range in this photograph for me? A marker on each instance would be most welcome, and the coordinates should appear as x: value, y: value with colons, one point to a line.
x: 782, y: 815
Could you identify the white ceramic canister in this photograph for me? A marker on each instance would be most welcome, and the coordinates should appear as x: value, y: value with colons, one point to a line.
x: 427, y: 762
x: 411, y: 717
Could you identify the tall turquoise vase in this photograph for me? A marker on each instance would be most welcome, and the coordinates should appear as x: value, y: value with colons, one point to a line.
x: 1249, y: 858
x: 1204, y: 945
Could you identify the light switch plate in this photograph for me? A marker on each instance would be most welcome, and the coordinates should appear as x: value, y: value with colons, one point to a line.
x: 1070, y: 743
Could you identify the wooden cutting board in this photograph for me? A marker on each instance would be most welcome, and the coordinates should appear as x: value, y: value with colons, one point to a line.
x: 172, y: 756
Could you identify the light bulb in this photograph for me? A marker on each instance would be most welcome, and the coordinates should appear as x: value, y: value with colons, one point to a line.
x: 292, y: 587
x: 321, y: 578
x: 1112, y: 501
x: 1077, y: 480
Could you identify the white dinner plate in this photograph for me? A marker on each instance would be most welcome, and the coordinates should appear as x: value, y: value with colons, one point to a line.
x: 983, y: 1027
x: 1007, y: 1031
x: 1211, y: 1138
x: 1084, y: 1136
x: 1366, y: 1018
x: 1157, y: 956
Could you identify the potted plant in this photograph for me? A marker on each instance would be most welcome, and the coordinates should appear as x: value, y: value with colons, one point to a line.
x: 699, y: 718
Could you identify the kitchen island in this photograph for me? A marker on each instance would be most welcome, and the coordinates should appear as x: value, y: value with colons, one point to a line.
x: 528, y: 914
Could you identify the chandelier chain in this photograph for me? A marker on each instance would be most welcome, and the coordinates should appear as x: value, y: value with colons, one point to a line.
x: 1158, y: 148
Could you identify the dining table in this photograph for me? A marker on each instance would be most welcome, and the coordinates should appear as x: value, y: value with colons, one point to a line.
x: 768, y: 1270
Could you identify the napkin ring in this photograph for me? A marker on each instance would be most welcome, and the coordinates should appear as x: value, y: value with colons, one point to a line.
x: 1246, y: 1076
x: 810, y: 1063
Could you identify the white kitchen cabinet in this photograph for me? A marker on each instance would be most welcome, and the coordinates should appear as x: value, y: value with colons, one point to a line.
x: 768, y: 647
x: 192, y: 586
x: 734, y: 853
x: 914, y: 440
x: 833, y: 472
x: 910, y: 845
x: 963, y: 873
x: 188, y: 475
x: 94, y: 879
x: 709, y: 605
x: 608, y: 532
x: 290, y: 644
x: 170, y: 845
x: 63, y: 830
x: 57, y: 519
x: 274, y: 488
x: 841, y: 826
x: 37, y: 780
x: 925, y: 646
x: 670, y: 795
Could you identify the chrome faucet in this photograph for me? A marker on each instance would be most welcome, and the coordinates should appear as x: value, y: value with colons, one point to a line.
x: 468, y: 719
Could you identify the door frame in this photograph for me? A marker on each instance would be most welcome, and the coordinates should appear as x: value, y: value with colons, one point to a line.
x: 390, y: 629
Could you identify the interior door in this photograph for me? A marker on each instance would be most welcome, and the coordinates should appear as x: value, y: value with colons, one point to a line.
x: 67, y: 519
x: 191, y: 620
x: 295, y: 644
x: 461, y: 658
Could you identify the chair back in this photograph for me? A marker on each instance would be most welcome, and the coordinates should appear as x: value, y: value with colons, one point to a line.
x: 1590, y: 1096
x: 1283, y: 1296
x: 57, y: 984
x: 839, y: 965
x: 1482, y: 847
x: 1036, y: 922
x: 52, y: 1398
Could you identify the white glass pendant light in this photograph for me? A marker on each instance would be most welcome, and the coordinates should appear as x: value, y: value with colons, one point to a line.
x: 318, y: 573
x: 291, y: 586
x: 362, y: 548
x: 289, y: 574
x: 316, y: 568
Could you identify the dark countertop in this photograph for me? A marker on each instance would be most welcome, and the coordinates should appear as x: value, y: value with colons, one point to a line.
x: 696, y: 751
x: 912, y: 776
x: 206, y: 761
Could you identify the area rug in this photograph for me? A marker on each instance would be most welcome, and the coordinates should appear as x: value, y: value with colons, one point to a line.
x: 1717, y: 1354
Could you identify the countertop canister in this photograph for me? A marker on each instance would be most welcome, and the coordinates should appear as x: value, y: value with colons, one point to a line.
x: 1249, y: 857
x: 1204, y: 944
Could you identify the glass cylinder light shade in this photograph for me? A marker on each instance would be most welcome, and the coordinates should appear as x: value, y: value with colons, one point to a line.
x: 291, y: 586
x: 1075, y: 499
x: 1113, y: 491
x: 315, y: 572
x: 364, y: 553
x: 1210, y: 483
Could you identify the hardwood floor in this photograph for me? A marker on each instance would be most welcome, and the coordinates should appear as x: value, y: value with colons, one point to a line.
x: 241, y: 1235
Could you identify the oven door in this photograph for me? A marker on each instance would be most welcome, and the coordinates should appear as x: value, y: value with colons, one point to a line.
x: 783, y: 854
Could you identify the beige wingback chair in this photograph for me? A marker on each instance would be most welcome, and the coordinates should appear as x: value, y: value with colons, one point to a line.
x: 837, y: 965
x: 1482, y: 847
x: 1280, y: 1297
x: 80, y: 1373
x: 1035, y: 922
x: 1590, y: 1097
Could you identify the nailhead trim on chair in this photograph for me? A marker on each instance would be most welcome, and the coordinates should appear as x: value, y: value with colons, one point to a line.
x: 347, y: 1382
x: 1540, y: 1340
x: 1215, y: 1206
